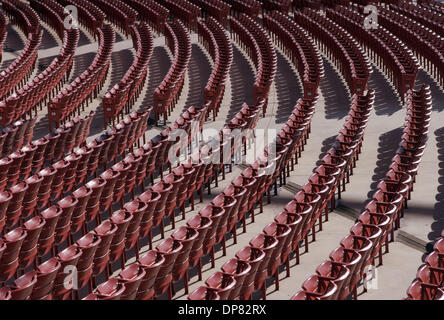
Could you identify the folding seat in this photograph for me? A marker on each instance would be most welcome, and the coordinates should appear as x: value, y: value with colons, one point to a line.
x: 92, y: 208
x: 112, y: 289
x: 121, y: 219
x: 58, y: 184
x: 170, y: 249
x: 69, y: 180
x: 250, y: 183
x: 131, y: 277
x: 153, y: 148
x: 423, y: 291
x: 350, y: 259
x: 9, y: 261
x: 88, y: 244
x: 370, y: 232
x: 151, y: 198
x: 216, y: 214
x: 186, y: 236
x: 79, y: 214
x: 5, y: 293
x: 28, y: 251
x: 431, y: 275
x: 130, y: 180
x: 47, y: 236
x: 106, y: 197
x: 60, y: 147
x: 223, y: 283
x: 176, y: 181
x: 254, y: 257
x: 15, y: 206
x: 82, y: 165
x: 5, y: 198
x: 8, y: 144
x: 5, y: 163
x: 320, y: 287
x: 295, y: 222
x: 335, y: 272
x: 105, y: 231
x: 64, y: 281
x: 94, y: 159
x: 239, y: 193
x: 119, y: 188
x: 151, y: 262
x: 23, y: 286
x: 14, y: 168
x: 141, y: 169
x: 137, y: 208
x: 189, y: 177
x: 204, y: 293
x: 163, y: 189
x: 239, y: 270
x: 46, y: 274
x: 201, y: 224
x: 114, y: 143
x: 30, y: 198
x: 39, y: 155
x: 26, y: 166
x: 45, y: 187
x: 229, y: 205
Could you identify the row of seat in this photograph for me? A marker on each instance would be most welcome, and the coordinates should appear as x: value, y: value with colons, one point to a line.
x: 256, y: 42
x: 48, y: 82
x: 299, y: 47
x: 217, y: 43
x: 160, y: 203
x: 20, y: 70
x: 119, y: 13
x: 69, y: 214
x: 428, y: 284
x: 87, y: 86
x: 125, y: 93
x: 349, y: 263
x: 88, y: 14
x: 16, y: 135
x: 343, y: 50
x: 20, y: 164
x: 27, y: 18
x: 425, y: 43
x: 151, y: 12
x: 267, y: 251
x: 392, y: 56
x: 184, y: 10
x: 427, y: 16
x: 248, y: 7
x: 167, y: 93
x: 217, y: 9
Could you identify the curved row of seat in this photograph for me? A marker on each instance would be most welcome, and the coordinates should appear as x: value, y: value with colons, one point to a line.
x: 45, y: 84
x: 52, y: 13
x: 30, y: 157
x: 344, y: 51
x: 248, y: 7
x: 25, y: 16
x: 217, y: 43
x: 151, y: 12
x: 261, y: 259
x: 299, y: 47
x: 184, y: 10
x: 86, y: 86
x: 428, y: 284
x: 396, y: 60
x: 20, y: 70
x: 124, y: 94
x: 41, y: 232
x: 428, y: 17
x: 16, y: 135
x: 348, y: 264
x: 426, y: 44
x: 178, y: 41
x: 217, y: 9
x: 256, y: 42
x: 119, y: 13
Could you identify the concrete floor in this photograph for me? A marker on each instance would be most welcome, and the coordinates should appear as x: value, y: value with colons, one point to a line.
x: 424, y: 219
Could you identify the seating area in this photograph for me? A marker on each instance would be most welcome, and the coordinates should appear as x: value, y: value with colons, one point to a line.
x: 220, y: 150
